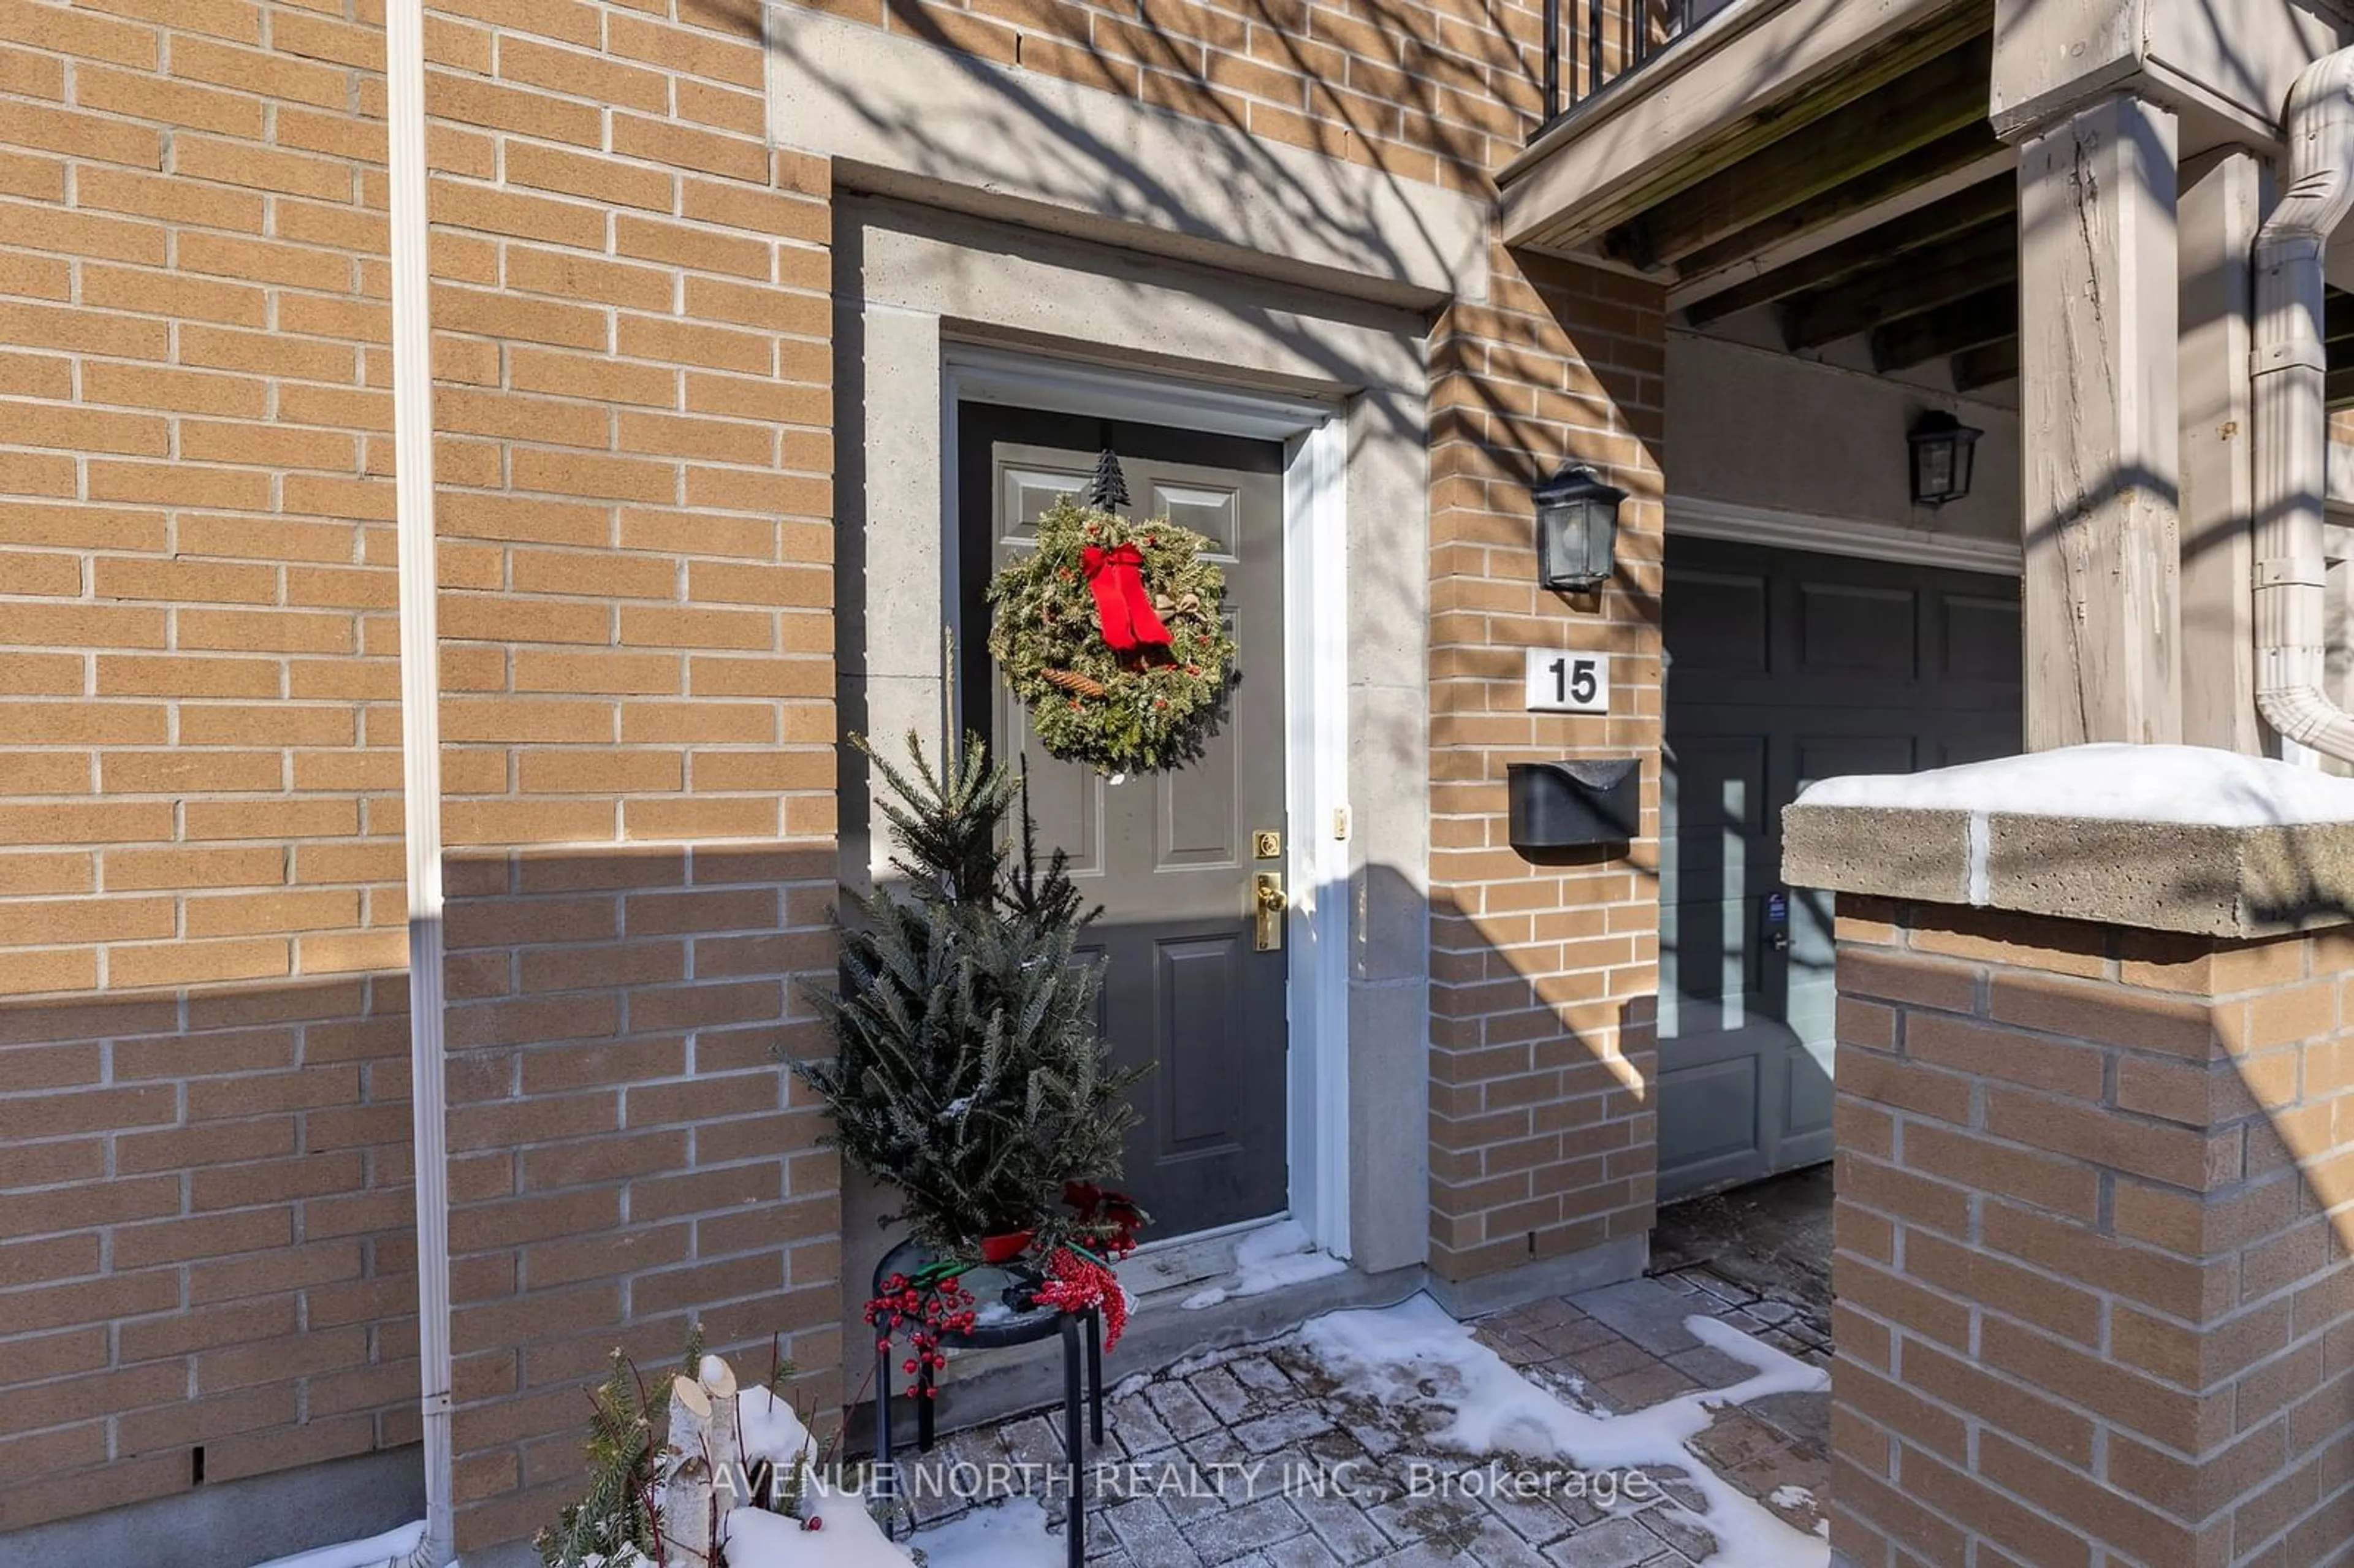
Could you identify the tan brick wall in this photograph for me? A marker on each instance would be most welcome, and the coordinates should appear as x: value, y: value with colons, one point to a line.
x: 635, y: 451
x: 203, y: 1113
x: 202, y: 1190
x: 635, y: 457
x: 1542, y: 976
x: 2093, y: 1292
x: 1441, y: 93
x: 625, y: 1157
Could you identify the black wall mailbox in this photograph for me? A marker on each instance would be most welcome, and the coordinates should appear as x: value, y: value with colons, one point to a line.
x: 1569, y: 805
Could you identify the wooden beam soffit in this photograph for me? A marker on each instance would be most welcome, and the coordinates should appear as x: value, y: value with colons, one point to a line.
x: 1595, y: 171
x: 1980, y: 204
x: 1934, y: 101
x: 1956, y: 151
x: 1972, y: 322
x: 1906, y: 285
x: 1989, y: 365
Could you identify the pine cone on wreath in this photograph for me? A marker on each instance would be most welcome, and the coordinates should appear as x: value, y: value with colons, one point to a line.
x: 1079, y: 686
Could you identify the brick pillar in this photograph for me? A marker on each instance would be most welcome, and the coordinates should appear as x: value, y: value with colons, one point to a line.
x: 1543, y: 1137
x: 2094, y: 1305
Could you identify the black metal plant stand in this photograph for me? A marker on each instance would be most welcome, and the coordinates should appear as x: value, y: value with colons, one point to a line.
x: 1026, y: 1324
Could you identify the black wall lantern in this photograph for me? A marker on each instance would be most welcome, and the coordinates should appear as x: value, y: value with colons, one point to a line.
x: 1943, y: 450
x: 1577, y: 530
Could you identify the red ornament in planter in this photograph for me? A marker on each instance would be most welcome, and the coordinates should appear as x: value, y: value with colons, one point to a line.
x: 1005, y: 1248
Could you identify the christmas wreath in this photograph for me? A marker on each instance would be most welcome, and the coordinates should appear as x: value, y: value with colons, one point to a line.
x: 1111, y: 632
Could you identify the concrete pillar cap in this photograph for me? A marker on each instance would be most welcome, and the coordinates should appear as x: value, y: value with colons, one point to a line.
x: 2168, y: 838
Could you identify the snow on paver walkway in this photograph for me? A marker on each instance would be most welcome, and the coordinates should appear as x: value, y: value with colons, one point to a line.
x: 1377, y: 1440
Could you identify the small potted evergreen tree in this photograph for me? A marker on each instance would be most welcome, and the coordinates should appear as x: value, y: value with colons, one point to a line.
x: 968, y: 1074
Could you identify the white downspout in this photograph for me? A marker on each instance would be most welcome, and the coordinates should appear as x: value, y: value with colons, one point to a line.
x: 2290, y: 373
x: 420, y: 728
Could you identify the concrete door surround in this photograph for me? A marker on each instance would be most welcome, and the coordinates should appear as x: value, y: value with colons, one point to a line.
x: 934, y: 307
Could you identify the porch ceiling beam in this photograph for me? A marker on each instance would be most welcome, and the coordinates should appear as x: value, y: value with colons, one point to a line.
x: 1972, y: 322
x: 1948, y: 155
x: 1712, y: 101
x: 1990, y: 365
x: 1904, y: 286
x: 1993, y: 199
x: 1693, y: 287
x: 1946, y: 95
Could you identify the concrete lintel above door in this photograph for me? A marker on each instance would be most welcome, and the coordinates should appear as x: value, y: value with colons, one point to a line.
x: 987, y: 375
x: 1839, y: 536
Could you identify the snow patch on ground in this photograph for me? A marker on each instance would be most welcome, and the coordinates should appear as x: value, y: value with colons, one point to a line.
x: 2114, y: 783
x: 1269, y: 1259
x: 1003, y: 1535
x: 847, y: 1536
x: 1414, y: 1354
x: 372, y: 1553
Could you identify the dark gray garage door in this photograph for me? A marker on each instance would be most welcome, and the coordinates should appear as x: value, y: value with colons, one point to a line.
x: 1786, y: 667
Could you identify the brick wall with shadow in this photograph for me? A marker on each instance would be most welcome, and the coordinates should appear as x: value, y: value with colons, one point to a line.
x: 627, y: 1156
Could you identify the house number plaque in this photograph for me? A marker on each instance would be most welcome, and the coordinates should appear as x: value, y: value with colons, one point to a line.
x: 1563, y: 681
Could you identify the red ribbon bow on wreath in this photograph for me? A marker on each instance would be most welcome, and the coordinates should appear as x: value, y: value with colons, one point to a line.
x: 1116, y: 577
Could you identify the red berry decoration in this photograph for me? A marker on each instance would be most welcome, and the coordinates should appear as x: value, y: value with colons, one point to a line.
x: 925, y: 1308
x: 1078, y: 1280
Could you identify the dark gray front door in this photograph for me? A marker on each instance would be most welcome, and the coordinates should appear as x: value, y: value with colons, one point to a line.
x: 1785, y: 667
x: 1170, y: 856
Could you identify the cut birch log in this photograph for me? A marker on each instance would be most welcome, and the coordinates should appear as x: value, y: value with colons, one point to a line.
x: 687, y: 1492
x: 729, y: 1473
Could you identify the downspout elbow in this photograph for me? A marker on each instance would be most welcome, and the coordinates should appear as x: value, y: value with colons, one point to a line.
x: 2305, y: 714
x: 2289, y: 375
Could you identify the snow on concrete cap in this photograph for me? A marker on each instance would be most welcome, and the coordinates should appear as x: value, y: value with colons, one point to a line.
x: 2169, y: 838
x: 2192, y: 784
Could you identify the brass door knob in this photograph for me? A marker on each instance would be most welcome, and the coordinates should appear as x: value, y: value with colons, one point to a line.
x: 1267, y: 890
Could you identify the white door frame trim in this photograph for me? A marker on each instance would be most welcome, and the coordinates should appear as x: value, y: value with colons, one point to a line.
x: 1839, y: 536
x: 1316, y: 703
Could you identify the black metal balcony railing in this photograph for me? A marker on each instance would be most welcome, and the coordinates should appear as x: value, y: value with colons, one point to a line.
x: 1607, y: 42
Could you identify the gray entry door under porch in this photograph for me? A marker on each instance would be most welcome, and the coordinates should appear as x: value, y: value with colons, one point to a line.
x: 1169, y: 856
x: 1783, y: 667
